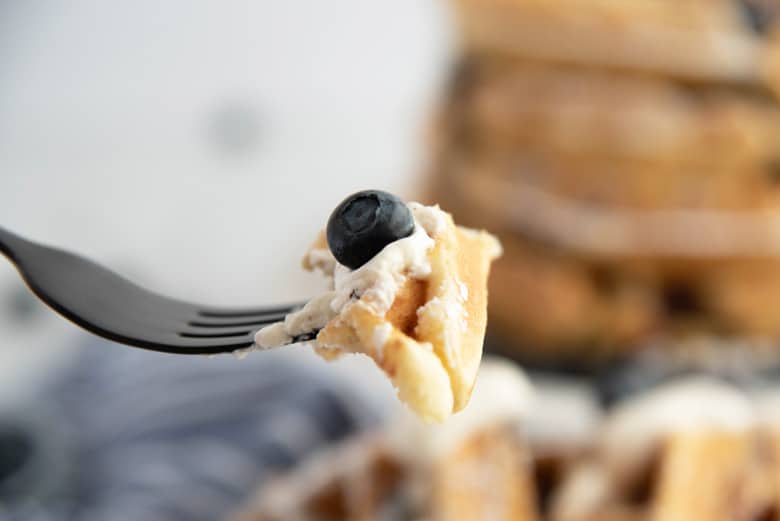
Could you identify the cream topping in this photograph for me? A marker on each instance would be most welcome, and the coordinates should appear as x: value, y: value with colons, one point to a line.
x: 314, y: 315
x: 273, y: 335
x: 566, y: 413
x: 431, y: 218
x: 633, y: 430
x: 767, y: 403
x: 377, y: 282
x: 692, y: 404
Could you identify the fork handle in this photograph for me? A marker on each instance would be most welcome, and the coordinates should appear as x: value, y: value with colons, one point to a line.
x: 11, y: 243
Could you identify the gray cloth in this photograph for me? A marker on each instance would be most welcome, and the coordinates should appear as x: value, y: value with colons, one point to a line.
x: 134, y: 435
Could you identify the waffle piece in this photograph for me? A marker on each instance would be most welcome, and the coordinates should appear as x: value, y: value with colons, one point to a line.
x: 695, y: 449
x: 585, y: 113
x: 447, y: 311
x: 604, y: 254
x: 688, y: 450
x: 699, y: 39
x: 553, y: 306
x: 474, y: 467
x: 350, y: 482
x: 608, y: 208
x: 609, y: 192
x: 629, y: 165
x: 421, y: 320
x: 485, y: 479
x: 714, y: 476
x: 477, y: 465
x: 745, y: 296
x: 709, y: 475
x: 588, y: 494
x: 632, y: 433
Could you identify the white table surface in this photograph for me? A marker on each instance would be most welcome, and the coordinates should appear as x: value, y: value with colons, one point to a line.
x: 106, y: 112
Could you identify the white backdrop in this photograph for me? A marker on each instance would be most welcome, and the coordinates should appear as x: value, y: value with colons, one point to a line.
x: 108, y: 111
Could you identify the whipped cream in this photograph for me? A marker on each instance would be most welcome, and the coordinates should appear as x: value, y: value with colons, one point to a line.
x: 431, y: 218
x: 376, y: 282
x: 696, y: 404
x: 767, y: 404
x: 313, y: 315
x: 566, y: 413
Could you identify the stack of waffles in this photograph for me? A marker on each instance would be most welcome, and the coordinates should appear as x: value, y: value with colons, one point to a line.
x: 628, y: 155
x: 691, y: 450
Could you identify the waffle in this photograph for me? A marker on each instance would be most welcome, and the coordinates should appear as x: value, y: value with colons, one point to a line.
x: 693, y: 449
x: 709, y: 476
x: 629, y: 165
x: 705, y: 40
x: 508, y: 105
x: 429, y: 338
x: 561, y: 307
x: 608, y: 261
x: 474, y: 467
x: 372, y: 484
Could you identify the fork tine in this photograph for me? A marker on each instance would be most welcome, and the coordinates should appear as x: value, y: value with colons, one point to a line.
x: 233, y: 313
x: 213, y: 332
x: 170, y: 342
x: 235, y: 322
x: 207, y: 346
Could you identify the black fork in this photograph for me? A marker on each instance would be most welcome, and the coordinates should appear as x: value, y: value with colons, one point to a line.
x: 111, y: 306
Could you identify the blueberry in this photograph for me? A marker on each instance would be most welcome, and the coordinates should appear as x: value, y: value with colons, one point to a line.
x: 364, y: 223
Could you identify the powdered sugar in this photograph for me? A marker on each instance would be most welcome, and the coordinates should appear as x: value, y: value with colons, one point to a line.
x: 379, y: 338
x: 463, y: 291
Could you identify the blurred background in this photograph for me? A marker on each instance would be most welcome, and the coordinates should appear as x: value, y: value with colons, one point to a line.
x: 199, y: 148
x: 625, y: 153
x: 196, y: 147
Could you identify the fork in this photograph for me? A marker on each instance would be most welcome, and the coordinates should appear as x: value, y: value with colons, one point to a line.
x: 112, y: 307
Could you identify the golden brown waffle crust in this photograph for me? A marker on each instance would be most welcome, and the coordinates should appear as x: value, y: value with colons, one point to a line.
x: 429, y: 342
